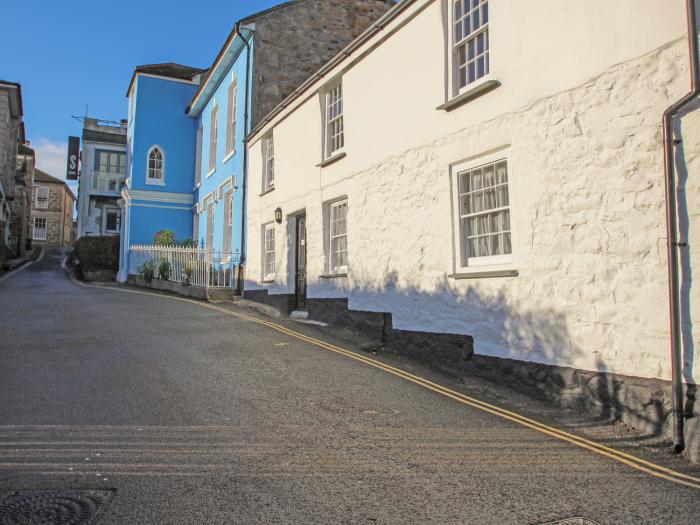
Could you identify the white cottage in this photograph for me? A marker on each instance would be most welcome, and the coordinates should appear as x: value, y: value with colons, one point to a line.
x: 492, y: 169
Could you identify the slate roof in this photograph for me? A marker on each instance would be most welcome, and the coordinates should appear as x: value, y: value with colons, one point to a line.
x: 102, y: 136
x: 167, y: 69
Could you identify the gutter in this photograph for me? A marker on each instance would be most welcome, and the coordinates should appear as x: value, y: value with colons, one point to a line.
x: 672, y: 246
x: 241, y: 262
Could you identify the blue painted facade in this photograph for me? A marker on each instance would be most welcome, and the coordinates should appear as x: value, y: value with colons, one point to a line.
x: 227, y: 175
x: 158, y: 120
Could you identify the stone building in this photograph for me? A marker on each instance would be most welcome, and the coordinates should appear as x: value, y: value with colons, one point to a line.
x: 102, y: 176
x: 11, y: 137
x: 491, y: 196
x: 52, y: 208
x: 22, y: 203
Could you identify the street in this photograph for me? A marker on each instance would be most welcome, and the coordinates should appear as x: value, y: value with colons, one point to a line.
x: 195, y: 416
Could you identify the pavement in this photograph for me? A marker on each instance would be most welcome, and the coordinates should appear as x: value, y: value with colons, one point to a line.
x: 199, y: 415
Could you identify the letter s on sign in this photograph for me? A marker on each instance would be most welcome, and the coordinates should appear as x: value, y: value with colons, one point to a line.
x: 73, y: 162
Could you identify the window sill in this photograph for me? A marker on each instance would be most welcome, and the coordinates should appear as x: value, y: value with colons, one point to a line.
x: 211, y: 173
x: 469, y: 95
x: 155, y: 182
x: 265, y: 192
x: 267, y: 281
x: 228, y: 157
x: 487, y: 271
x: 332, y: 159
x: 332, y: 275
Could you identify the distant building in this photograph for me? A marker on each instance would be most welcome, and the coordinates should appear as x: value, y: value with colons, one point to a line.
x: 103, y: 171
x: 52, y: 204
x: 16, y: 168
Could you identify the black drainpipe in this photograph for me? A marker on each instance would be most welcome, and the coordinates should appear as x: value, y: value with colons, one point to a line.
x: 241, y: 263
x: 673, y: 245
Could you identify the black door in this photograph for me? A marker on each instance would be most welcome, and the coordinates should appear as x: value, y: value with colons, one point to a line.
x: 300, y: 265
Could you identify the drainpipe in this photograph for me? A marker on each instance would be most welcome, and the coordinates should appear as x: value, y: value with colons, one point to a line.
x: 241, y: 263
x: 674, y: 299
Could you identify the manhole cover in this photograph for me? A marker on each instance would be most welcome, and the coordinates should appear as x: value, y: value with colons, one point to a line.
x: 572, y: 521
x: 38, y: 507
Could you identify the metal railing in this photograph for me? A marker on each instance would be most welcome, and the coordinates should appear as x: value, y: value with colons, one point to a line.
x: 107, y: 181
x: 190, y: 266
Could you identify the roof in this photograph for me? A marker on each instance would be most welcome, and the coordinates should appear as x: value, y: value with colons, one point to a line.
x: 23, y: 149
x: 341, y: 57
x: 42, y: 176
x: 166, y: 69
x: 102, y: 136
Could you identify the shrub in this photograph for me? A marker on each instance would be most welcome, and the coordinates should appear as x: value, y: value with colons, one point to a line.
x: 164, y: 238
x: 147, y: 270
x: 187, y: 276
x: 187, y: 243
x: 164, y: 270
x: 97, y: 253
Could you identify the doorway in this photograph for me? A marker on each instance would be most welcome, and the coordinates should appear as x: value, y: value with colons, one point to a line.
x: 300, y: 264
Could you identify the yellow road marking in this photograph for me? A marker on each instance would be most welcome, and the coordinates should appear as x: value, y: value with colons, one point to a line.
x: 634, y: 462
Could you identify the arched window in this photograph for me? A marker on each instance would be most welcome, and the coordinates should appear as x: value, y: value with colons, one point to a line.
x: 156, y: 164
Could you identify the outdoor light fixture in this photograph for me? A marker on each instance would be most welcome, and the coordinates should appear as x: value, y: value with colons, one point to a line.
x: 278, y: 215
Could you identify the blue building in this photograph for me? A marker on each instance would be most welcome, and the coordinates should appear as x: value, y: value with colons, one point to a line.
x: 187, y: 126
x: 161, y: 138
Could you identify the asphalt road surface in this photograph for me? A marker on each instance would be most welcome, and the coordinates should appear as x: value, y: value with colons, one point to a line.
x: 194, y: 416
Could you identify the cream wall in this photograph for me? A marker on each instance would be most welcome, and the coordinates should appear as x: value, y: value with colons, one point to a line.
x: 584, y: 85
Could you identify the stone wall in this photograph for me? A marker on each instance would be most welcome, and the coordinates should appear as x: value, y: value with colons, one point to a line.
x: 292, y: 43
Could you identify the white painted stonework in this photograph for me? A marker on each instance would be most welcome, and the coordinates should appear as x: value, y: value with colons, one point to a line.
x: 578, y: 113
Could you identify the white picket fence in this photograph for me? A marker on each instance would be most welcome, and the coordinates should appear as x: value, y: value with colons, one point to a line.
x: 196, y: 266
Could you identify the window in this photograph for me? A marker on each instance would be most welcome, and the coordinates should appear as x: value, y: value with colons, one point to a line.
x: 213, y: 137
x: 42, y: 197
x: 231, y: 120
x: 228, y: 218
x: 210, y: 226
x: 112, y: 220
x: 338, y: 237
x: 334, y: 120
x: 483, y: 210
x: 155, y: 166
x: 269, y: 252
x: 269, y: 162
x: 39, y: 229
x: 110, y: 162
x: 470, y: 39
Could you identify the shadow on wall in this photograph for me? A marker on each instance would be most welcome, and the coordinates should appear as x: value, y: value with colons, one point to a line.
x: 522, y: 338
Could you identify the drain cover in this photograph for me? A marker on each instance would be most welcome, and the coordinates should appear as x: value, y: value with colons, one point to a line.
x: 38, y: 507
x: 572, y: 521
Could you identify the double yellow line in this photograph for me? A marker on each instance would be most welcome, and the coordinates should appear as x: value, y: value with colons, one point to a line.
x: 634, y: 462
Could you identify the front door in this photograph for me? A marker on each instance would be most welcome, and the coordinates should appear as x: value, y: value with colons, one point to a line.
x: 300, y: 263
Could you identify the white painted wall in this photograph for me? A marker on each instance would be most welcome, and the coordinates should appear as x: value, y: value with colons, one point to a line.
x: 584, y: 85
x: 90, y: 213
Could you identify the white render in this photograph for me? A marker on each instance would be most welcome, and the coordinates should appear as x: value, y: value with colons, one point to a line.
x: 578, y: 113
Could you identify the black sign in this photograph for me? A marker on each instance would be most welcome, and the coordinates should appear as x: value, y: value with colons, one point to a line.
x: 73, y: 156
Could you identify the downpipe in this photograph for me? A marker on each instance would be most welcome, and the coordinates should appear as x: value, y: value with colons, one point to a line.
x: 673, y: 245
x: 242, y: 261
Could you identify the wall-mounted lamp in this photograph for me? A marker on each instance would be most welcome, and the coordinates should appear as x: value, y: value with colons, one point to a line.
x: 278, y: 215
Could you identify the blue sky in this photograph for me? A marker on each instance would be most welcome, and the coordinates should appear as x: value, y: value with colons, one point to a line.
x: 76, y: 52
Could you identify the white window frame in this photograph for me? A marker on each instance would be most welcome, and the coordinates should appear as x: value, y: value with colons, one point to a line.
x: 39, y: 189
x: 269, y: 262
x: 213, y: 138
x: 463, y: 263
x: 455, y: 45
x: 107, y: 211
x: 44, y: 229
x: 268, y: 152
x: 331, y: 147
x: 228, y: 222
x: 332, y: 267
x: 231, y: 120
x: 211, y: 225
x: 152, y: 180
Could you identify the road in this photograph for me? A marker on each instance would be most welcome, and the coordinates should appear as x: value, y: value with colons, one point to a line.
x: 195, y: 416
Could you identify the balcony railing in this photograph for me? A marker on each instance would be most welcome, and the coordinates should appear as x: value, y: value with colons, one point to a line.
x: 107, y: 181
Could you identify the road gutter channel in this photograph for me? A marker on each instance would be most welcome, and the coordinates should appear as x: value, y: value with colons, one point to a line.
x: 629, y: 460
x: 22, y: 266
